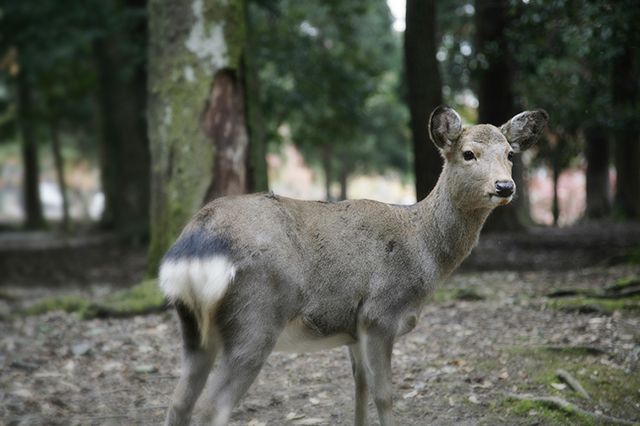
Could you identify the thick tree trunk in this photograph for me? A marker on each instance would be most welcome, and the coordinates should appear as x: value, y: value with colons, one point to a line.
x: 225, y: 125
x: 424, y: 90
x: 627, y: 134
x: 58, y: 163
x: 124, y: 144
x: 496, y: 101
x: 198, y: 123
x: 34, y: 218
x: 597, y: 155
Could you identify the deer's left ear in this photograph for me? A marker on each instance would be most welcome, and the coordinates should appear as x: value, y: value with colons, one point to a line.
x: 524, y: 129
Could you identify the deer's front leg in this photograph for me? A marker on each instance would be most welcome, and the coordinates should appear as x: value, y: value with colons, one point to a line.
x: 359, y: 376
x: 376, y: 346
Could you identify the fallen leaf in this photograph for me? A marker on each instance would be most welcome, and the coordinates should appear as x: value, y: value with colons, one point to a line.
x: 81, y: 348
x: 294, y: 416
x: 559, y: 386
x: 310, y: 421
x: 474, y: 399
x: 411, y: 394
x: 145, y: 368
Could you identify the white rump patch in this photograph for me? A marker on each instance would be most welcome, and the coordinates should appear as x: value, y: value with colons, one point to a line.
x: 297, y: 337
x: 198, y: 283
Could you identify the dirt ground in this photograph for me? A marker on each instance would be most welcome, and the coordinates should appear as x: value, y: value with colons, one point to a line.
x: 485, y: 337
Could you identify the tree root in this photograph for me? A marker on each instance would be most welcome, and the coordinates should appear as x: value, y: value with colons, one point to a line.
x: 564, y: 405
x: 573, y: 383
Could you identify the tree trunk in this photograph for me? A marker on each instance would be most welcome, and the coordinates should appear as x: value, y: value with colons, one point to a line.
x: 124, y: 144
x: 198, y: 125
x: 496, y: 101
x: 344, y: 175
x: 555, y: 206
x: 58, y: 163
x: 597, y: 155
x: 424, y: 90
x: 627, y: 135
x: 31, y: 168
x: 327, y: 166
x: 257, y: 166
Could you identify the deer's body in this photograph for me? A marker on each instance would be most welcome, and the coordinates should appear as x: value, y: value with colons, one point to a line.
x: 257, y: 273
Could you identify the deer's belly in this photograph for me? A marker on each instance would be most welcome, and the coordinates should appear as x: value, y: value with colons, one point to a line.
x: 297, y: 337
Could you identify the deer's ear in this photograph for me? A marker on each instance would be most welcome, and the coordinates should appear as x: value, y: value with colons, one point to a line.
x: 524, y: 129
x: 445, y: 127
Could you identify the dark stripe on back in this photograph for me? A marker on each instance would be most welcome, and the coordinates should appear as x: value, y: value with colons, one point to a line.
x: 197, y: 245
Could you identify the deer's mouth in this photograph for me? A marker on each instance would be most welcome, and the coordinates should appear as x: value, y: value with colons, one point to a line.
x: 499, y: 199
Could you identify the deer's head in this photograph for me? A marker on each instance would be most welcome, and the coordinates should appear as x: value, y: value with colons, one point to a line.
x: 478, y: 159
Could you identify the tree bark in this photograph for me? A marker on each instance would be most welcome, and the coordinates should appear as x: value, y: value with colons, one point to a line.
x: 627, y: 134
x: 496, y: 102
x: 34, y: 218
x: 257, y: 158
x: 198, y: 122
x: 344, y: 176
x: 597, y: 155
x: 424, y: 90
x: 58, y: 163
x: 555, y: 205
x: 327, y: 166
x: 125, y: 158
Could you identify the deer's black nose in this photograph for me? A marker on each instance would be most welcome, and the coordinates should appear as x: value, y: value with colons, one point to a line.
x: 504, y: 188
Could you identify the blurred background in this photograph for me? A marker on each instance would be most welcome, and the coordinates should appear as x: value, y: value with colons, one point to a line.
x: 108, y: 109
x: 120, y: 118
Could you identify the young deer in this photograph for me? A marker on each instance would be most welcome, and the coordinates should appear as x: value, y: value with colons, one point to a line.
x: 257, y: 273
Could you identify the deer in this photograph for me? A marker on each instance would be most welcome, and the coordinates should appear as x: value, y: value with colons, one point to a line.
x: 253, y: 274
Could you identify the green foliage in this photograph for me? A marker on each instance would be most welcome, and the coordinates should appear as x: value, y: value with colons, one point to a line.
x: 329, y: 73
x: 633, y: 256
x: 53, y: 45
x: 623, y: 295
x: 140, y: 299
x: 605, y: 306
x: 456, y: 54
x: 609, y: 385
x: 63, y: 303
x: 564, y: 51
x: 550, y: 413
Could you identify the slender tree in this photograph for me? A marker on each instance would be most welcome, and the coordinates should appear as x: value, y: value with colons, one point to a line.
x: 424, y: 89
x: 198, y: 122
x: 597, y: 155
x: 496, y: 99
x: 31, y: 193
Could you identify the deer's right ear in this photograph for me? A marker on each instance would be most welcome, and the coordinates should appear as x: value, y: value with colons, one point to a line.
x: 445, y: 126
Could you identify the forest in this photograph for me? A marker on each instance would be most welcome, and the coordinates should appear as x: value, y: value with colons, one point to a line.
x: 119, y: 119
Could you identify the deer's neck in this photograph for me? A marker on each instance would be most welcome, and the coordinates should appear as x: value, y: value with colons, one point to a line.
x: 447, y: 232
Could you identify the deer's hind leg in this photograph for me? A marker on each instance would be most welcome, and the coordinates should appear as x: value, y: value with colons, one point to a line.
x: 197, y: 361
x: 249, y: 329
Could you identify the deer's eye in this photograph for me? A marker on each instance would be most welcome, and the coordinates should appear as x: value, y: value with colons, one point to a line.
x: 510, y: 156
x: 468, y: 155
